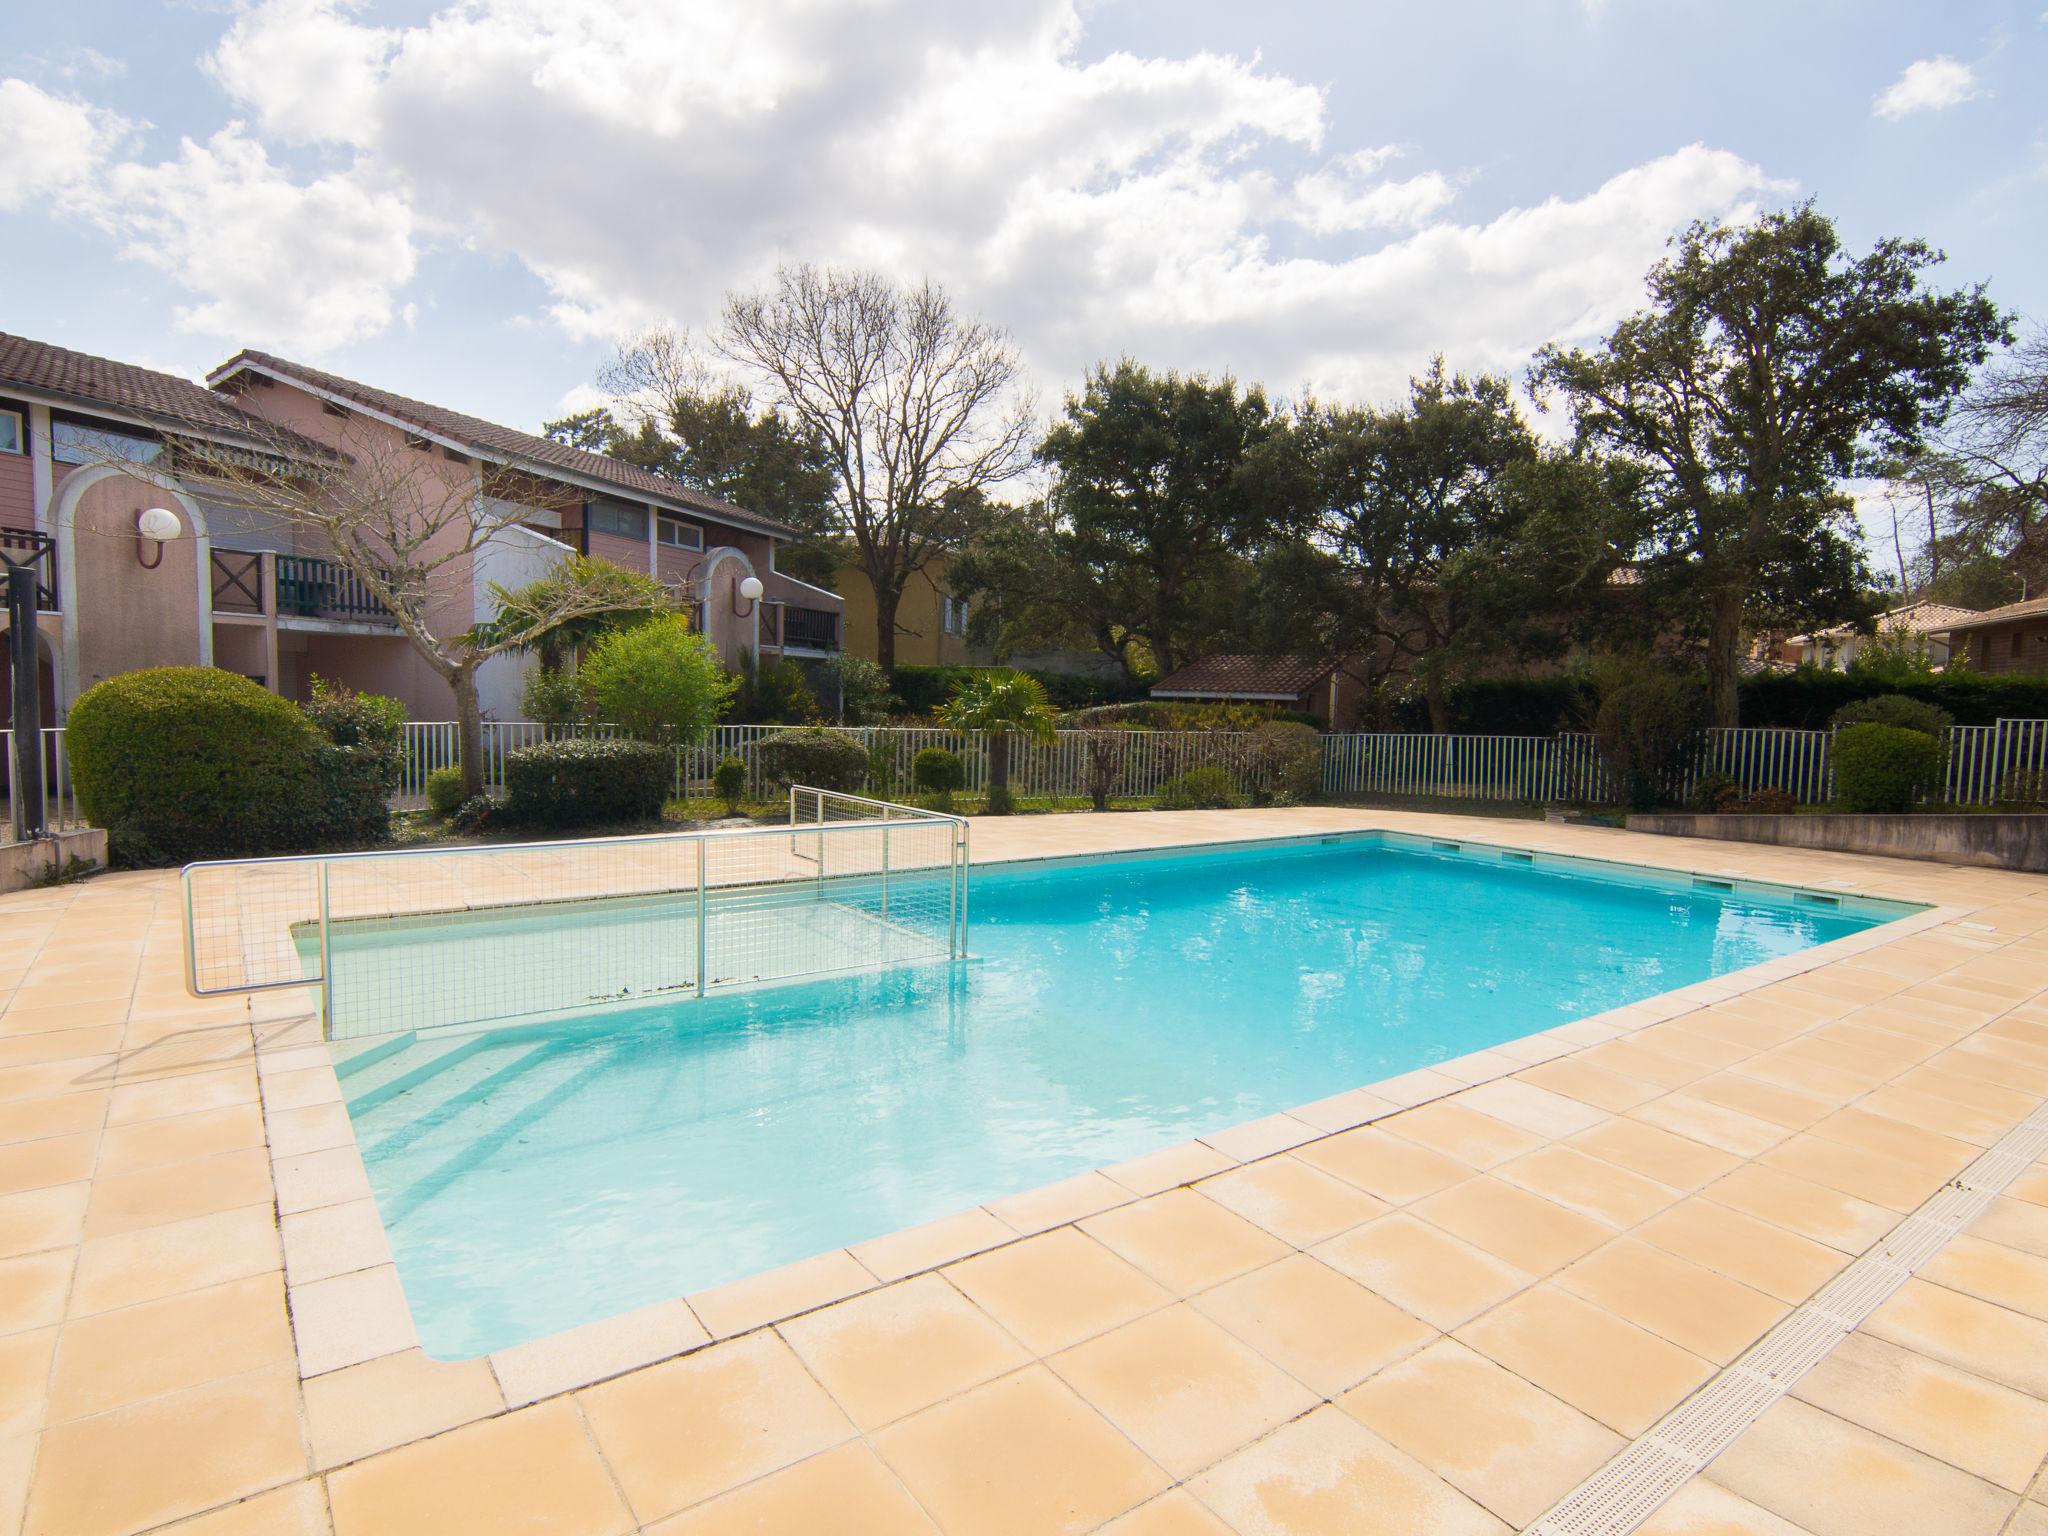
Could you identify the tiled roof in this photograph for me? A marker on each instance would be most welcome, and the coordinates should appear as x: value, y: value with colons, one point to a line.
x: 1244, y: 677
x: 490, y: 440
x: 159, y: 398
x: 1921, y: 618
x: 2032, y: 608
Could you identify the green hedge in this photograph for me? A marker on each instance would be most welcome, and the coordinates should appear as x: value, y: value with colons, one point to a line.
x: 815, y: 755
x: 1199, y: 789
x: 1886, y: 769
x: 587, y: 781
x: 185, y: 763
x: 922, y: 690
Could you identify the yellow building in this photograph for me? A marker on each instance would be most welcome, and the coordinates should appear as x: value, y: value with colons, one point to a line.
x: 931, y: 624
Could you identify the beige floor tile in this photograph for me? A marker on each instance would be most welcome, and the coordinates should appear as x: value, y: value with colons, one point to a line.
x: 1589, y: 1084
x: 1535, y: 1109
x: 1174, y: 1513
x: 1298, y: 1204
x: 593, y: 1351
x: 1678, y: 1161
x: 1327, y: 1473
x: 1833, y: 1478
x: 112, y: 1358
x: 2009, y: 1276
x: 846, y: 1491
x: 684, y: 1431
x: 2031, y: 1186
x: 1802, y: 1206
x: 133, y: 1102
x: 1021, y: 1456
x: 1506, y: 1444
x: 2030, y: 1519
x: 2014, y: 1224
x: 1985, y: 1429
x: 1168, y: 1168
x: 1465, y: 1134
x: 1524, y: 1229
x: 178, y: 1256
x: 1184, y: 1240
x: 1385, y: 1167
x: 24, y: 1380
x: 533, y: 1470
x: 1185, y: 1391
x: 334, y: 1240
x: 1589, y: 1185
x: 936, y: 1242
x: 202, y: 1187
x: 778, y: 1293
x: 1859, y: 1128
x: 351, y: 1318
x: 1636, y: 1060
x: 33, y: 1290
x: 1260, y: 1138
x: 1967, y: 1332
x: 299, y: 1509
x: 63, y: 1115
x: 1760, y: 1255
x: 896, y: 1350
x: 316, y: 1128
x: 181, y: 1138
x: 1687, y: 1114
x: 1622, y: 1375
x: 1036, y: 1210
x: 40, y: 1219
x: 150, y: 1463
x: 1694, y: 1308
x: 1877, y: 1177
x: 1932, y: 1112
x: 391, y: 1401
x: 1422, y: 1269
x: 51, y: 1160
x: 1702, y: 1508
x: 1321, y: 1328
x: 1057, y: 1289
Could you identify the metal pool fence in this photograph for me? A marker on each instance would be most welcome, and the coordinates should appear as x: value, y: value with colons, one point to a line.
x: 2005, y: 763
x: 60, y: 803
x: 433, y: 939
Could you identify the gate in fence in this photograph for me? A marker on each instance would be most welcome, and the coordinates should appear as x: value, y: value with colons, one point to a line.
x: 463, y: 938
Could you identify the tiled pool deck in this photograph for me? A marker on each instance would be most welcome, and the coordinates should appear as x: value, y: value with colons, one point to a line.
x: 1434, y: 1306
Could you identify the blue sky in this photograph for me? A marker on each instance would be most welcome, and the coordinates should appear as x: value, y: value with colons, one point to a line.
x: 471, y: 202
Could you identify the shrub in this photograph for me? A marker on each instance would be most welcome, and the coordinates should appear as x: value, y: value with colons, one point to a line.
x: 935, y: 771
x: 444, y: 791
x: 357, y: 766
x: 729, y: 783
x: 553, y: 698
x: 1199, y: 789
x: 1886, y: 769
x: 999, y: 801
x: 474, y: 814
x: 1713, y: 792
x: 587, y: 781
x: 1769, y: 802
x: 657, y: 681
x: 924, y: 690
x: 1895, y: 709
x: 183, y: 763
x: 855, y: 686
x: 815, y: 755
x: 1645, y: 723
x: 773, y: 695
x: 1286, y: 764
x: 351, y: 719
x: 1109, y: 748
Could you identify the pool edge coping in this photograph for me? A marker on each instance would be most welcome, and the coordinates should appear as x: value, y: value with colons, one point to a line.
x: 358, y: 1328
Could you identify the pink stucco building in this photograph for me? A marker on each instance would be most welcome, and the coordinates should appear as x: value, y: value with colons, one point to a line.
x: 86, y: 447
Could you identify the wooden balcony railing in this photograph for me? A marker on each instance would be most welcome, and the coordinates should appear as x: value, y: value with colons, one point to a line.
x: 237, y: 581
x: 38, y: 551
x: 312, y: 588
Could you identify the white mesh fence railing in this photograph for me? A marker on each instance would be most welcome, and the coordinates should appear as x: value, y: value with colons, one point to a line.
x: 437, y: 938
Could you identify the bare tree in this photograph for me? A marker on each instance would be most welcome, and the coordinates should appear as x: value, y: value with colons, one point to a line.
x: 922, y: 408
x: 409, y: 523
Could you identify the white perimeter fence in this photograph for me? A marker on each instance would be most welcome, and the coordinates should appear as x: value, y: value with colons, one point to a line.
x: 459, y: 938
x: 60, y: 805
x: 1987, y: 764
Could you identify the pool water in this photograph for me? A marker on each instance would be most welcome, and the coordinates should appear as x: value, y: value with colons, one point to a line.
x: 536, y: 1178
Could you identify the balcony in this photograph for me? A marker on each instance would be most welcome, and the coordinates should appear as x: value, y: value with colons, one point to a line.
x: 306, y: 588
x: 37, y: 551
x: 237, y: 582
x: 804, y: 629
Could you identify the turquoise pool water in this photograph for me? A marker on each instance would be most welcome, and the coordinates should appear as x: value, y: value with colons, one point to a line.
x: 536, y: 1178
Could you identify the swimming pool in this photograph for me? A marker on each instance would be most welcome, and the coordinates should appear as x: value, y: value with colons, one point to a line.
x: 535, y: 1178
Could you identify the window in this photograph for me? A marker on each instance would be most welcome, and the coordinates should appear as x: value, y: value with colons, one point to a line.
x: 13, y: 433
x: 73, y: 442
x: 677, y: 534
x: 617, y: 518
x: 954, y: 614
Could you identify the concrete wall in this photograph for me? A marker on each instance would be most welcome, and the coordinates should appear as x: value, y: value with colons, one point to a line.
x: 1994, y: 841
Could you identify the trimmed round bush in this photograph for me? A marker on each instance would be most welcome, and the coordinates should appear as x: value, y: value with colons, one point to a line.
x: 937, y: 771
x: 587, y: 781
x: 185, y: 763
x: 817, y: 756
x: 1199, y: 789
x: 1895, y: 709
x: 729, y: 782
x: 444, y: 791
x: 1886, y: 769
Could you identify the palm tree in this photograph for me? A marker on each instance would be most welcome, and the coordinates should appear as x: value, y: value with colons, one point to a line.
x: 999, y: 702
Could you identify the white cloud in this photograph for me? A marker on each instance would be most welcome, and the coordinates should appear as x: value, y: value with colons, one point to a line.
x: 53, y: 144
x: 1928, y: 85
x: 641, y: 158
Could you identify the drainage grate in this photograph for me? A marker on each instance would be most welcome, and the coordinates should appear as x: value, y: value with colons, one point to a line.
x: 1628, y: 1490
